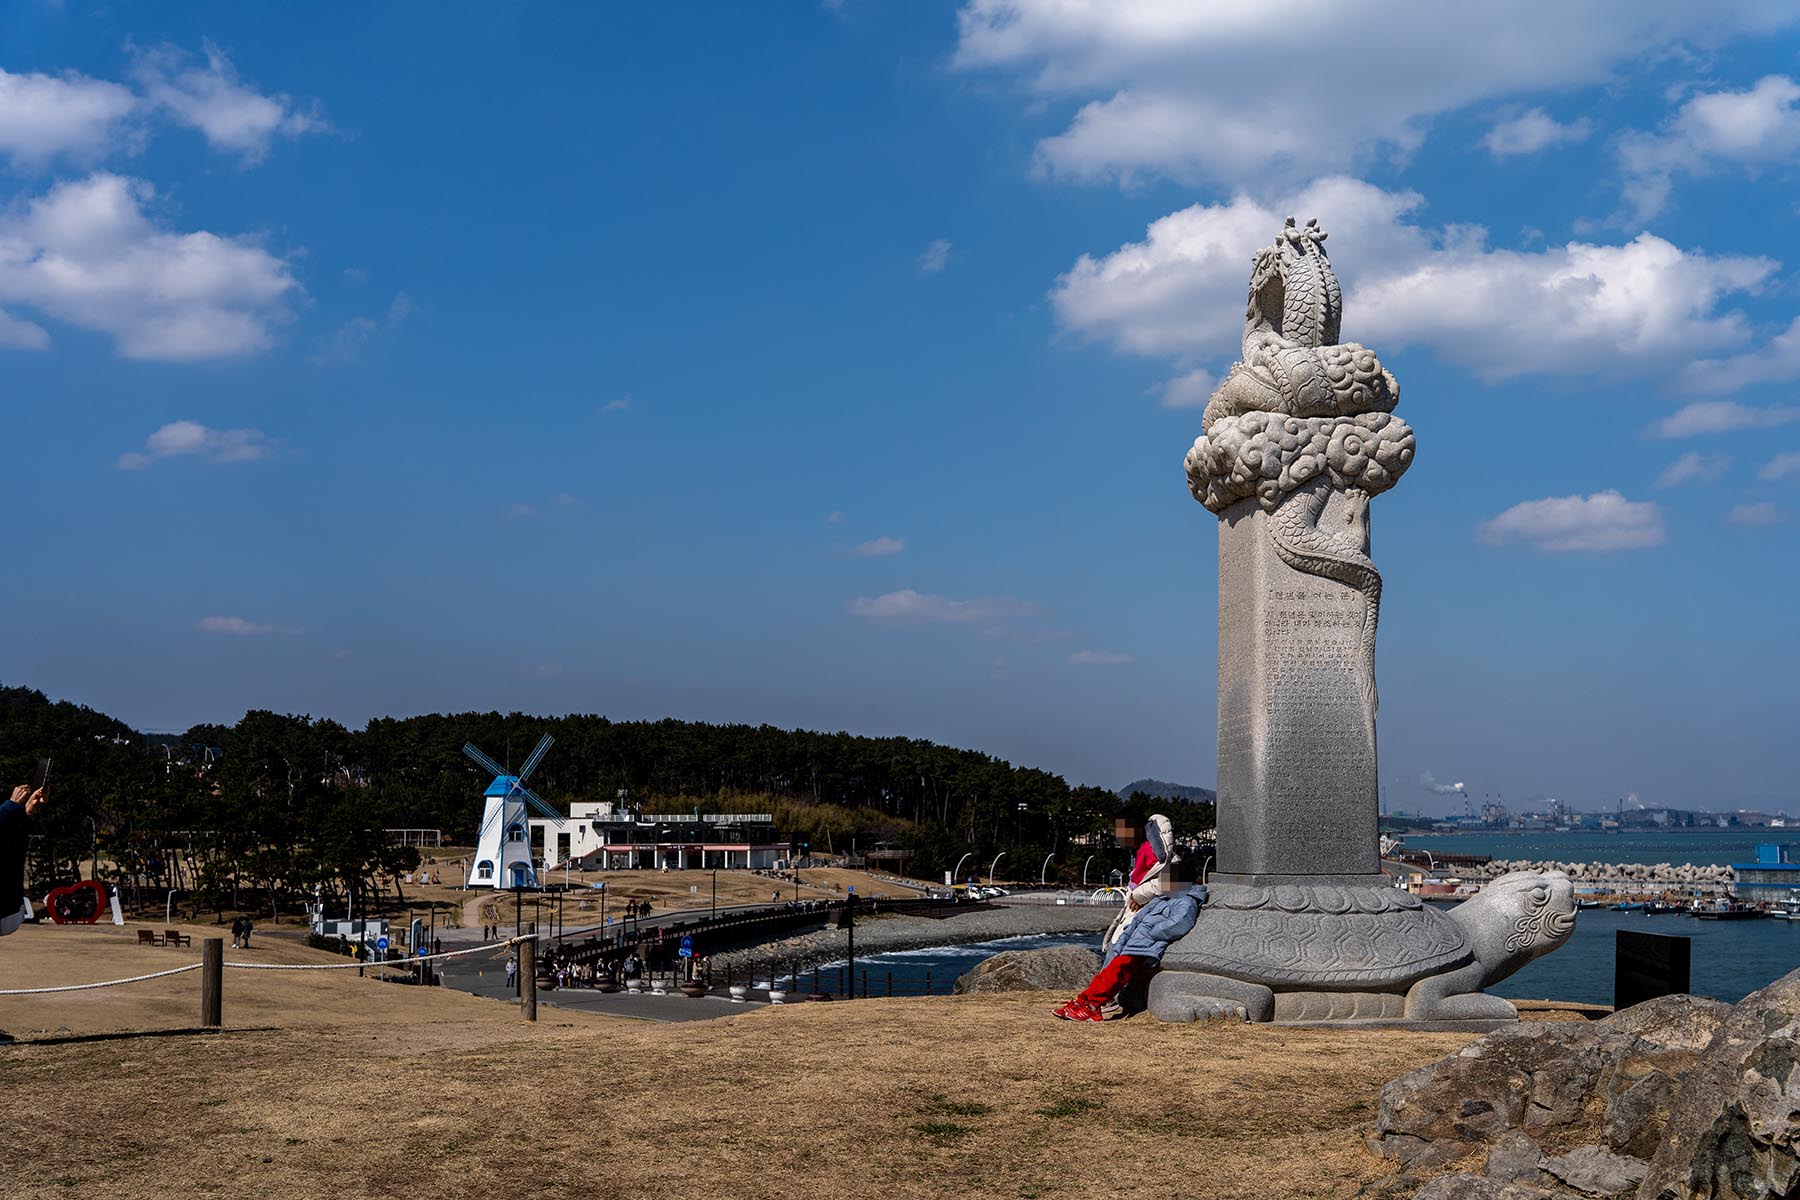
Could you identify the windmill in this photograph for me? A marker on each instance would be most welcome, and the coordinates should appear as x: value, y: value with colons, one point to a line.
x: 503, y: 847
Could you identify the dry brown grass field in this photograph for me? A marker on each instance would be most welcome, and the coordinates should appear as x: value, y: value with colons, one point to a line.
x: 323, y: 1084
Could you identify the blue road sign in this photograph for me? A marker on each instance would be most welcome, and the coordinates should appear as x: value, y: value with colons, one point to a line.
x: 687, y: 941
x: 686, y: 952
x: 424, y: 952
x: 381, y: 943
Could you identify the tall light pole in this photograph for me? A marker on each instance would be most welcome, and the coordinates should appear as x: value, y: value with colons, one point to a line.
x: 954, y: 875
x: 1084, y: 867
x: 994, y: 864
x: 1043, y: 870
x: 715, y: 894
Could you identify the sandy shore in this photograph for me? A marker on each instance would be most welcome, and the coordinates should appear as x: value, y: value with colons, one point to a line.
x: 880, y: 933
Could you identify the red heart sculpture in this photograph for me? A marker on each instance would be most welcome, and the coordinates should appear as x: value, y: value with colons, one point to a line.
x: 78, y: 903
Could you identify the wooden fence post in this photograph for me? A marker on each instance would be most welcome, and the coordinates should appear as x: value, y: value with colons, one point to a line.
x: 212, y: 971
x: 528, y: 978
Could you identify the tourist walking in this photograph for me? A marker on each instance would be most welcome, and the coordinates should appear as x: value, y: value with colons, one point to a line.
x: 246, y: 935
x: 512, y: 974
x: 237, y: 931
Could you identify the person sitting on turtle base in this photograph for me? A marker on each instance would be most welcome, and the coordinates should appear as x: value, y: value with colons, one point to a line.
x: 1160, y: 906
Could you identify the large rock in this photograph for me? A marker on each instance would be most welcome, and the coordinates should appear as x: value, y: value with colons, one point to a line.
x: 1734, y: 1127
x: 1056, y: 969
x: 1611, y: 1082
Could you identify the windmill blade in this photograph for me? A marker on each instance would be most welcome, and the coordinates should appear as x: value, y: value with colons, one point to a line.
x: 482, y: 760
x: 537, y: 804
x: 537, y: 756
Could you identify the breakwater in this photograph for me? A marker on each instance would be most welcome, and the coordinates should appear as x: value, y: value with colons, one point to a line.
x: 1620, y: 878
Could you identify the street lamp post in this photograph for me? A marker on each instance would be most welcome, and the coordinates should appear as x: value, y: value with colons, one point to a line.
x: 715, y: 893
x: 1044, y: 870
x: 1084, y: 867
x: 957, y: 873
x: 994, y: 864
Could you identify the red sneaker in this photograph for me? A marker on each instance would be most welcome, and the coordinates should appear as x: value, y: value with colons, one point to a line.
x: 1075, y: 1010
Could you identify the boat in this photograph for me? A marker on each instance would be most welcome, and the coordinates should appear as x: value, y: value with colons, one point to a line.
x: 1726, y: 910
x: 1589, y: 904
x: 1630, y: 906
x: 1661, y: 907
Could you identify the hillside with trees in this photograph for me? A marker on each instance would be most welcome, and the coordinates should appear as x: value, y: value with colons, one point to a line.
x: 277, y: 806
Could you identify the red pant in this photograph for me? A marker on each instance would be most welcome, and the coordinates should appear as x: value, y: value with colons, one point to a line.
x: 1122, y: 972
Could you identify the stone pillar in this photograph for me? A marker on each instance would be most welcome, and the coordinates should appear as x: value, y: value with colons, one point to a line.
x: 1298, y: 788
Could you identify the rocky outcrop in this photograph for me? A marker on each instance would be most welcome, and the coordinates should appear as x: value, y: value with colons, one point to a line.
x: 1609, y: 1082
x: 1592, y: 1109
x: 1734, y: 1130
x: 1056, y: 969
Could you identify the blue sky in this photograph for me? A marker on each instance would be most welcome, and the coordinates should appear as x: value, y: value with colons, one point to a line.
x: 833, y: 365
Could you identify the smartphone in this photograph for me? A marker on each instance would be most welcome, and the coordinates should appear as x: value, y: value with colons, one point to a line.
x: 40, y: 774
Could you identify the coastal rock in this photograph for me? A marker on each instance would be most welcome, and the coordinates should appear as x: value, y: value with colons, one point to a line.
x: 1515, y: 1158
x: 1734, y: 1129
x: 1612, y: 1082
x: 1058, y: 969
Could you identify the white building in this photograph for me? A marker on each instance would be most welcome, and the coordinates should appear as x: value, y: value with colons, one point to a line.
x: 602, y: 835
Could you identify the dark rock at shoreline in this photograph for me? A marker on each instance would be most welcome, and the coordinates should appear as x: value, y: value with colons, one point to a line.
x: 1056, y: 969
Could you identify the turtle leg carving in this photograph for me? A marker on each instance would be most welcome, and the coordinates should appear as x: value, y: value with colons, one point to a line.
x: 1300, y: 543
x: 1454, y: 996
x: 1182, y: 996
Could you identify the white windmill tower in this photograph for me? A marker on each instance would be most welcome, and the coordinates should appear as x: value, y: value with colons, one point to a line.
x: 503, y: 847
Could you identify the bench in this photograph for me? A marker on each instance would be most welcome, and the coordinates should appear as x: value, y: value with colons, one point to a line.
x: 149, y: 937
x: 174, y: 937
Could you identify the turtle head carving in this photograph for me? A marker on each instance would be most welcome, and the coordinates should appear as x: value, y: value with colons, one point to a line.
x: 1517, y: 918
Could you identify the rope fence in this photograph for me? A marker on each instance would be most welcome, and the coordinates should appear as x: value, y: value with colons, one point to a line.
x: 242, y: 966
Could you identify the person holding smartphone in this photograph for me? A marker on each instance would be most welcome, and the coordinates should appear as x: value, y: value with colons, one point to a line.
x: 27, y: 800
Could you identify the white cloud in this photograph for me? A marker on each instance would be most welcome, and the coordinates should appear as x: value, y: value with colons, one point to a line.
x: 17, y: 334
x: 1777, y: 359
x: 622, y: 404
x: 518, y: 511
x: 1191, y: 390
x: 908, y: 605
x: 43, y: 116
x: 1721, y: 416
x: 1601, y: 522
x: 179, y: 438
x: 935, y: 258
x: 239, y: 627
x: 1101, y: 658
x: 1781, y: 466
x: 1235, y: 90
x: 1532, y: 131
x: 1576, y: 309
x: 211, y: 99
x: 347, y: 342
x: 567, y: 500
x: 1694, y: 467
x: 87, y: 253
x: 834, y: 518
x: 1757, y: 515
x: 880, y: 547
x: 1754, y: 128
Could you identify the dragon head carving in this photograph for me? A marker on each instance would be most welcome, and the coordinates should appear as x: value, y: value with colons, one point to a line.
x: 1294, y: 294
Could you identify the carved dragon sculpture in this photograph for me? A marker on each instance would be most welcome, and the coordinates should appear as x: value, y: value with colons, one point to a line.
x: 1301, y: 416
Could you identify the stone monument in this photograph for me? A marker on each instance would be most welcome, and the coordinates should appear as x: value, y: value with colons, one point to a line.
x: 1300, y: 923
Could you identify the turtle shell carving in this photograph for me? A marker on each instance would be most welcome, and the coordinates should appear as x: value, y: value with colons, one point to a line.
x: 1319, y: 936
